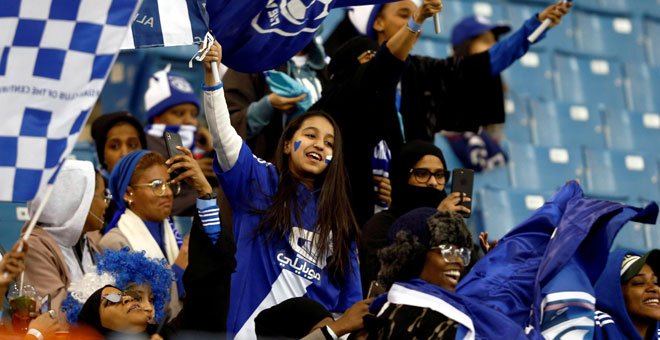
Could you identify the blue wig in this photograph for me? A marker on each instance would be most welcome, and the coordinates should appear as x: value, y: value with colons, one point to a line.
x: 129, y: 268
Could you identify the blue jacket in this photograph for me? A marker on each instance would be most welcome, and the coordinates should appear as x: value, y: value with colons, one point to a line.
x: 271, y: 271
x: 612, y: 320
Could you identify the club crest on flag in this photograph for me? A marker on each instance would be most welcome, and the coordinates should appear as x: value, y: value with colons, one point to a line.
x: 54, y: 60
x: 291, y: 17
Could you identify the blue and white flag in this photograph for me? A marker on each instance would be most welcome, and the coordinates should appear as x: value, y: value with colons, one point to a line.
x: 167, y: 23
x: 259, y: 35
x: 54, y: 59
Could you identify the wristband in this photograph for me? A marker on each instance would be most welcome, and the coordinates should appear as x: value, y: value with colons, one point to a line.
x: 35, y: 332
x: 413, y: 26
x: 328, y: 333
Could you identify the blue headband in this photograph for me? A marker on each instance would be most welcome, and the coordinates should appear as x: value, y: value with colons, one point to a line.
x: 120, y: 178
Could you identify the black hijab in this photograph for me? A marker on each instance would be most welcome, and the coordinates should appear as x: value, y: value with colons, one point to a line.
x: 90, y: 313
x: 406, y: 197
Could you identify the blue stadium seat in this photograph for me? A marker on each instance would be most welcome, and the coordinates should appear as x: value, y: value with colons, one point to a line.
x: 12, y: 221
x: 543, y: 168
x: 631, y: 237
x: 641, y: 87
x: 609, y: 35
x: 633, y: 131
x: 652, y: 33
x: 454, y: 11
x: 622, y: 173
x: 647, y: 7
x: 531, y: 75
x: 119, y: 90
x: 560, y: 37
x: 450, y: 157
x: 435, y: 48
x: 504, y: 209
x: 85, y: 151
x: 588, y: 80
x: 516, y: 127
x: 563, y: 124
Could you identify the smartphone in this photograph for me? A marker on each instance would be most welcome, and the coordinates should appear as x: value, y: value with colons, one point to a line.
x: 45, y: 304
x: 172, y: 140
x: 375, y: 289
x: 463, y: 181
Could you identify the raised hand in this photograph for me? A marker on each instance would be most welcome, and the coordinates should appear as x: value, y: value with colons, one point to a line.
x: 193, y: 174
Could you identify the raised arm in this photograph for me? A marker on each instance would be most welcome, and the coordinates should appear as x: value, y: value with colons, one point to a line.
x: 226, y: 141
x: 403, y: 40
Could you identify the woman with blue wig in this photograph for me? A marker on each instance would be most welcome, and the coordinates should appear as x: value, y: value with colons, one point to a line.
x: 140, y: 184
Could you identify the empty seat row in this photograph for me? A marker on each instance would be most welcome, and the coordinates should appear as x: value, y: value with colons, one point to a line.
x: 553, y: 123
x: 501, y: 210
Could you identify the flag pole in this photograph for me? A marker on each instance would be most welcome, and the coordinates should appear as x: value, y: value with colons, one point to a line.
x: 539, y: 30
x: 436, y: 22
x: 214, y: 69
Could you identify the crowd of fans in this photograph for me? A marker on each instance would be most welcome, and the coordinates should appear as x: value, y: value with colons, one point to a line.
x: 320, y: 209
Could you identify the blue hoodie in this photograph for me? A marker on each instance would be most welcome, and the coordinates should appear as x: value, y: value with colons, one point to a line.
x: 612, y: 320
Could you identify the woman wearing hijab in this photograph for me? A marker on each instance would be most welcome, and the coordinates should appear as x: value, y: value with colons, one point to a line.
x: 628, y: 297
x: 59, y: 249
x: 141, y: 187
x: 365, y: 74
x: 419, y: 174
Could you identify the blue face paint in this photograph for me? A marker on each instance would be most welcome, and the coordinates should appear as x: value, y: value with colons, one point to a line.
x: 296, y: 145
x: 328, y: 159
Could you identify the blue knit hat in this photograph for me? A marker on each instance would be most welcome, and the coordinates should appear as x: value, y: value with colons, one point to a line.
x: 474, y: 26
x: 167, y: 89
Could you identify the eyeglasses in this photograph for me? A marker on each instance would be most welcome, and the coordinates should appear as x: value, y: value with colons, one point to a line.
x: 159, y: 187
x: 454, y: 254
x: 107, y: 196
x: 424, y: 175
x: 115, y: 298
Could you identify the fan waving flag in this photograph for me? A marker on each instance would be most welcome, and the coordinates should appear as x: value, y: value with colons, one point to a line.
x: 259, y: 35
x: 54, y: 59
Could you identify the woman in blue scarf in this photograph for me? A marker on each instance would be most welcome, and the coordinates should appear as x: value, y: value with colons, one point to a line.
x: 140, y: 184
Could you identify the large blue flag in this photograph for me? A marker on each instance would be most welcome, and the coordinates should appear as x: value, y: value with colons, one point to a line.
x: 54, y: 58
x: 258, y: 35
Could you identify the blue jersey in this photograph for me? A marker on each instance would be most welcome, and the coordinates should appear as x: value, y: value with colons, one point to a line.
x: 270, y: 271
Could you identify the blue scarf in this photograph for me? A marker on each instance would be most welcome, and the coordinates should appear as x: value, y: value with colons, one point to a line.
x: 120, y: 178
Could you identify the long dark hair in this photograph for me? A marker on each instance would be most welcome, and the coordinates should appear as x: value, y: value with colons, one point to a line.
x: 334, y: 212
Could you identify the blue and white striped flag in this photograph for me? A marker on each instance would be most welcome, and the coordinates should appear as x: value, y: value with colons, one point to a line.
x: 54, y: 59
x: 167, y: 23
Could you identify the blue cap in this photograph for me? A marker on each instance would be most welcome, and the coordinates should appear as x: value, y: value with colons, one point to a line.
x: 474, y: 26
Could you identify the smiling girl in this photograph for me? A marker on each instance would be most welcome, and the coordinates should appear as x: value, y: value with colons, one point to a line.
x: 293, y: 225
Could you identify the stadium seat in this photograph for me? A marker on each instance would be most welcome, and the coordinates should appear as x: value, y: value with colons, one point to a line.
x: 560, y: 37
x: 633, y: 131
x: 516, y: 127
x: 631, y: 237
x: 450, y: 157
x: 543, y: 168
x: 454, y: 11
x: 504, y: 209
x: 652, y: 33
x: 12, y: 218
x: 622, y: 173
x: 641, y: 87
x: 85, y: 151
x: 563, y: 124
x: 588, y: 80
x: 609, y: 35
x: 647, y: 7
x: 435, y: 48
x: 531, y: 75
x: 119, y: 90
